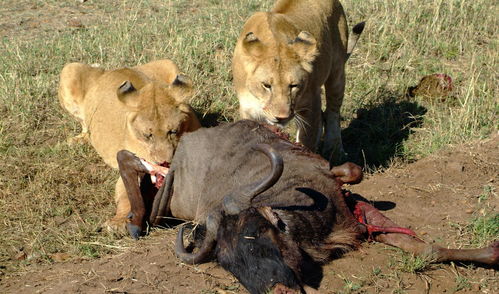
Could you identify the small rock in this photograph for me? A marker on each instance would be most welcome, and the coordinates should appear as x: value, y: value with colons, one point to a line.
x: 21, y: 256
x: 75, y: 23
x: 476, y: 287
x: 455, y: 166
x: 60, y: 256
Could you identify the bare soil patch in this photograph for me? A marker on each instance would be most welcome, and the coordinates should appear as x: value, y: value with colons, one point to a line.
x: 435, y: 197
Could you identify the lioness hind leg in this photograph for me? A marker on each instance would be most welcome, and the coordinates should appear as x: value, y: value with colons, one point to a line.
x: 74, y: 81
x: 117, y: 224
x: 332, y: 147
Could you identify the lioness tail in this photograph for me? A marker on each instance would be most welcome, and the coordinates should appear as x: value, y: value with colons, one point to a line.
x: 354, y: 37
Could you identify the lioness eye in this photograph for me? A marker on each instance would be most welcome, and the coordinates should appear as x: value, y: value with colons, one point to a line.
x: 172, y: 132
x: 293, y: 86
x: 267, y: 86
x: 148, y: 136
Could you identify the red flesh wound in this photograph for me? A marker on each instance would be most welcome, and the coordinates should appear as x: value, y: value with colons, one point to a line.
x: 367, y: 214
x: 159, y: 177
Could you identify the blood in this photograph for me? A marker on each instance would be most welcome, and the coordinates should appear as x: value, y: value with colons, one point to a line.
x: 159, y: 177
x: 374, y: 220
x: 447, y: 79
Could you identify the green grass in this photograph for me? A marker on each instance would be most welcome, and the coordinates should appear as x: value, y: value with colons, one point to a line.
x: 412, y: 264
x: 483, y: 227
x: 54, y: 197
x: 483, y: 230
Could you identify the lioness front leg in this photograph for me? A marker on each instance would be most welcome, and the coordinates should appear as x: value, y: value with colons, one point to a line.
x: 332, y: 147
x: 118, y: 222
x: 309, y: 120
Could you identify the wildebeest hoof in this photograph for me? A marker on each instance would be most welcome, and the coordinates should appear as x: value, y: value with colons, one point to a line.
x: 134, y: 230
x: 494, y: 247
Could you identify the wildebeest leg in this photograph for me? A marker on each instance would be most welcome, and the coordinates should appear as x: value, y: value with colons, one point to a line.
x: 130, y: 169
x: 488, y: 255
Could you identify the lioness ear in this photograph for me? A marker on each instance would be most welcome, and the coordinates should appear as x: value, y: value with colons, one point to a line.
x: 192, y: 123
x: 182, y: 80
x: 250, y: 37
x: 76, y: 79
x: 125, y: 88
x: 182, y: 88
x: 126, y: 95
x: 252, y: 45
x: 305, y: 46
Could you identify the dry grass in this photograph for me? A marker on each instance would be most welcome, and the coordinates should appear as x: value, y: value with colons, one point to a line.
x: 53, y: 197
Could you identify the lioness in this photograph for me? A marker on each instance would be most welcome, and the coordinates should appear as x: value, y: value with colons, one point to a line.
x: 141, y: 109
x: 283, y: 58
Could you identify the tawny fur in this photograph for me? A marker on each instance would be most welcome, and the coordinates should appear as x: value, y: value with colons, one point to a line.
x: 283, y: 58
x: 142, y: 109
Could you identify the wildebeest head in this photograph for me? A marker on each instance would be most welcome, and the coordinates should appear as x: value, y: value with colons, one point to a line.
x: 258, y: 252
x: 233, y: 204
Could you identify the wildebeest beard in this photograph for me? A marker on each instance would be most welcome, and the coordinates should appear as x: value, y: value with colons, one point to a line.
x: 258, y: 253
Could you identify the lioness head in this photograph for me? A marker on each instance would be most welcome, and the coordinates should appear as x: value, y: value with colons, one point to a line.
x: 276, y: 70
x: 156, y: 116
x: 141, y: 109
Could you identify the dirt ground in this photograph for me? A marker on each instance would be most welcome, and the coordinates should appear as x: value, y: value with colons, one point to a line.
x: 433, y: 196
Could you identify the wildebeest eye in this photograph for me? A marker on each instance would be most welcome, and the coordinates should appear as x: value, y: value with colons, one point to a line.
x: 266, y: 86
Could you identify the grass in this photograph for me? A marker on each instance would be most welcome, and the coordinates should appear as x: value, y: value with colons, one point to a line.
x: 412, y: 264
x: 483, y: 227
x: 483, y: 230
x: 54, y: 197
x: 351, y: 286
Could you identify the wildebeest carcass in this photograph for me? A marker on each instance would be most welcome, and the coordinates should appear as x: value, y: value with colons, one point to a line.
x: 270, y: 211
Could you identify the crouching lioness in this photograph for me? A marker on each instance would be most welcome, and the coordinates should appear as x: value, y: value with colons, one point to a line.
x: 141, y: 109
x: 283, y: 58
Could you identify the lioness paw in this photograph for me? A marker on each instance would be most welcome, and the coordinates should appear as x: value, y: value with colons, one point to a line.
x: 80, y: 139
x: 117, y: 226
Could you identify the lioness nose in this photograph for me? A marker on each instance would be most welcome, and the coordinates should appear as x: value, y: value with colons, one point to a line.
x: 281, y: 119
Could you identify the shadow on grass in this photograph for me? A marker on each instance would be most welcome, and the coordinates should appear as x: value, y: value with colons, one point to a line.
x: 376, y: 135
x: 211, y: 119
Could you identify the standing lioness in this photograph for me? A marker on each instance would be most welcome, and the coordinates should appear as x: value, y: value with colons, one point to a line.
x: 281, y: 60
x: 141, y: 109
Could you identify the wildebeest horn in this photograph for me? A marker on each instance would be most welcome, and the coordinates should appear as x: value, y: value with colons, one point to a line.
x: 162, y: 199
x: 233, y: 203
x: 239, y: 200
x: 212, y: 224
